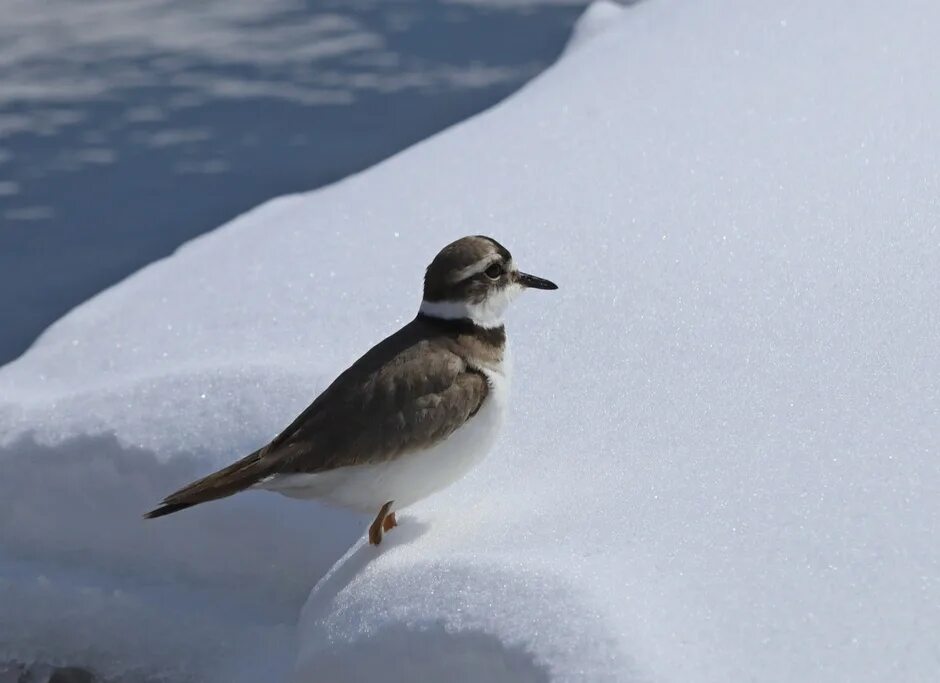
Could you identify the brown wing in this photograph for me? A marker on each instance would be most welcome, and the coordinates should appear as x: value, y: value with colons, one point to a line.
x: 409, y: 405
x: 408, y: 393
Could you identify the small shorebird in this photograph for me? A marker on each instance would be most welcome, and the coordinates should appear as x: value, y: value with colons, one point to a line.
x: 411, y: 416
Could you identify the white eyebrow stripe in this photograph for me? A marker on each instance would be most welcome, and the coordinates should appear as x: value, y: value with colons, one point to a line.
x: 475, y: 268
x: 478, y: 267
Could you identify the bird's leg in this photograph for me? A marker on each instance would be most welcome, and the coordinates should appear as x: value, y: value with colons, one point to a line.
x: 378, y: 526
x: 390, y: 522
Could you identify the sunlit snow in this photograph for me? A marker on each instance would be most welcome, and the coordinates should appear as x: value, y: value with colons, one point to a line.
x: 721, y: 460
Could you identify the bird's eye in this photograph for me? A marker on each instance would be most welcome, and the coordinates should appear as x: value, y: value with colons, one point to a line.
x: 494, y: 271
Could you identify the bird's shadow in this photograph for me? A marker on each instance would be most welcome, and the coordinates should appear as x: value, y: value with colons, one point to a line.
x: 398, y: 651
x: 356, y: 559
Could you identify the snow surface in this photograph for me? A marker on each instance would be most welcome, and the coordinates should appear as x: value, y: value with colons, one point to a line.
x: 721, y: 460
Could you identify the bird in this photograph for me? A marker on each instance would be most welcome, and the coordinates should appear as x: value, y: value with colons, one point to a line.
x: 412, y: 415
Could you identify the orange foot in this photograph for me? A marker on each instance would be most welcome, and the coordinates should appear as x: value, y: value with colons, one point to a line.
x: 382, y: 523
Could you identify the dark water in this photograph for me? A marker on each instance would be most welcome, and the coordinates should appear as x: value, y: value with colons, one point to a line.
x: 129, y: 127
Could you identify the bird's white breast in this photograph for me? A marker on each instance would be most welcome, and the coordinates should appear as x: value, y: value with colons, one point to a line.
x: 413, y: 476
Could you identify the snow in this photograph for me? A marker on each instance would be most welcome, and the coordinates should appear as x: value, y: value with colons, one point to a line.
x: 720, y: 461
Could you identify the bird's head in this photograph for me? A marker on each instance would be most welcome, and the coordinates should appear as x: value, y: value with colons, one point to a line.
x: 475, y: 278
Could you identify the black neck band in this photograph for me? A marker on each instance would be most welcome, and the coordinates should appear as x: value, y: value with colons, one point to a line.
x: 491, y: 335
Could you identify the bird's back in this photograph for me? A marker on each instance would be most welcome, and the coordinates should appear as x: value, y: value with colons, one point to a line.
x: 409, y: 391
x: 411, y: 416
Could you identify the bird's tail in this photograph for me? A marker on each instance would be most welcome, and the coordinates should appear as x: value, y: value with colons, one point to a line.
x: 236, y: 477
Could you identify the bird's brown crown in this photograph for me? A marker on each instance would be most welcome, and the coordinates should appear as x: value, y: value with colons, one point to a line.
x: 465, y: 269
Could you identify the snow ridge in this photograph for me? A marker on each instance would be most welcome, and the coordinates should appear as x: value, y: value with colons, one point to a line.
x: 720, y: 461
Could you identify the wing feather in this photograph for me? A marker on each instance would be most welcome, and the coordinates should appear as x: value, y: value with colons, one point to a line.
x: 408, y: 392
x: 419, y: 398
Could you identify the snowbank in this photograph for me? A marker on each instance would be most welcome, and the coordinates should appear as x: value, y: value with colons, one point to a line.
x: 721, y: 462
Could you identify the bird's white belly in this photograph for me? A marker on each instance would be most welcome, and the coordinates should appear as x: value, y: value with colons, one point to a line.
x: 409, y: 477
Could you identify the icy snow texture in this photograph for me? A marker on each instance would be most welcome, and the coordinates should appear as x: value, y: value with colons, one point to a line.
x: 721, y: 461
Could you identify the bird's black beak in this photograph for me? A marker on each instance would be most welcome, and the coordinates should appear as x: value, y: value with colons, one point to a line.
x: 527, y: 280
